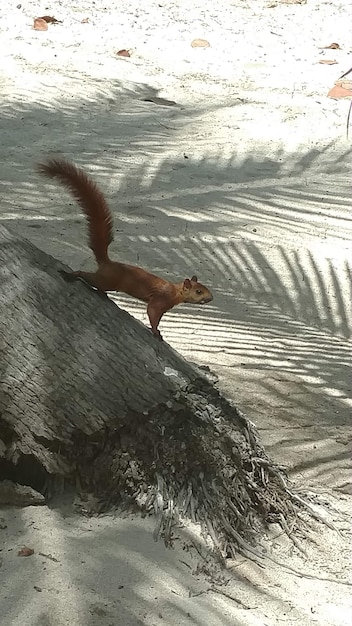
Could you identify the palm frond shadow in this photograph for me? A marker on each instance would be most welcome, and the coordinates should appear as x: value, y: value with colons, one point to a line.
x: 283, y: 307
x: 278, y: 306
x: 292, y: 317
x: 234, y: 220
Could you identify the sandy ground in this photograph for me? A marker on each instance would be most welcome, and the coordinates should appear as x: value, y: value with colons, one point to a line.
x: 240, y: 173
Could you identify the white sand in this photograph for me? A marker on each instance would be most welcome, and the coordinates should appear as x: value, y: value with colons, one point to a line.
x: 260, y: 210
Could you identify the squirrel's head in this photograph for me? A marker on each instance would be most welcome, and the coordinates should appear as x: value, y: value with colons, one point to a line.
x: 194, y: 292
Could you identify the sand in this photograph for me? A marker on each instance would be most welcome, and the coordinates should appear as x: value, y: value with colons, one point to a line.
x: 228, y: 161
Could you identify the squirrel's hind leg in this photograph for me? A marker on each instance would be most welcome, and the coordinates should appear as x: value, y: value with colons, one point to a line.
x: 88, y: 278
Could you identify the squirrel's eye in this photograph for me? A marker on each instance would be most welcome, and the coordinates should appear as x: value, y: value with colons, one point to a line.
x: 199, y: 292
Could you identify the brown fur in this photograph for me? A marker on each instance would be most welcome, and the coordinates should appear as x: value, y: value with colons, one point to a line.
x: 159, y: 294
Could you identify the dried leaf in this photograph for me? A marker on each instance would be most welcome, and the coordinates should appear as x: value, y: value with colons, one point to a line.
x: 200, y: 43
x: 333, y: 46
x: 339, y: 92
x: 327, y: 61
x: 345, y: 83
x: 49, y: 20
x: 85, y: 21
x: 123, y: 53
x: 40, y: 24
x: 25, y: 551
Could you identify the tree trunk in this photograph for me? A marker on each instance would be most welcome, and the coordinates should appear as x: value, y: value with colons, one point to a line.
x: 88, y: 394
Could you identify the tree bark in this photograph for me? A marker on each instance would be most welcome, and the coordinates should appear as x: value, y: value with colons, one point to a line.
x: 88, y: 394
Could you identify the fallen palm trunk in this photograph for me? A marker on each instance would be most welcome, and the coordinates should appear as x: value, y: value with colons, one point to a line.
x: 88, y: 395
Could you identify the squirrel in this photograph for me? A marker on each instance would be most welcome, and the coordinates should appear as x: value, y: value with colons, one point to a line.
x: 159, y: 294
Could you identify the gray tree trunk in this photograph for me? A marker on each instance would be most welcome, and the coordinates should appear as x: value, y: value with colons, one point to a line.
x: 88, y: 394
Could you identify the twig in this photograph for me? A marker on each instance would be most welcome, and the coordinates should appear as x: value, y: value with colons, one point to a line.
x: 290, y: 535
x: 240, y: 541
x: 230, y: 597
x: 346, y: 73
x: 305, y: 575
x: 306, y: 505
x: 348, y: 119
x: 49, y: 556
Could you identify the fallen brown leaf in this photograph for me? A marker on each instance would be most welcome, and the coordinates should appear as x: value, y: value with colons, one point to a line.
x: 40, y: 24
x: 339, y: 92
x: 123, y: 53
x: 85, y: 21
x: 346, y: 84
x: 333, y: 46
x: 200, y: 43
x: 49, y: 20
x: 327, y: 62
x: 25, y: 551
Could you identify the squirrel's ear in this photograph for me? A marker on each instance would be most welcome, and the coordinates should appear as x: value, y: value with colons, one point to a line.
x: 187, y: 283
x: 194, y: 279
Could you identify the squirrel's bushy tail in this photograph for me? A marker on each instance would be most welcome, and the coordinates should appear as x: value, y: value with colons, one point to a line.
x: 90, y: 199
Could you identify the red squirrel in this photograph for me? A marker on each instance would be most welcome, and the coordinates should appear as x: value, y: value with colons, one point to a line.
x: 159, y: 294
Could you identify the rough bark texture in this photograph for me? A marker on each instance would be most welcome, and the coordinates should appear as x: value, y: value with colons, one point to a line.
x: 87, y: 393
